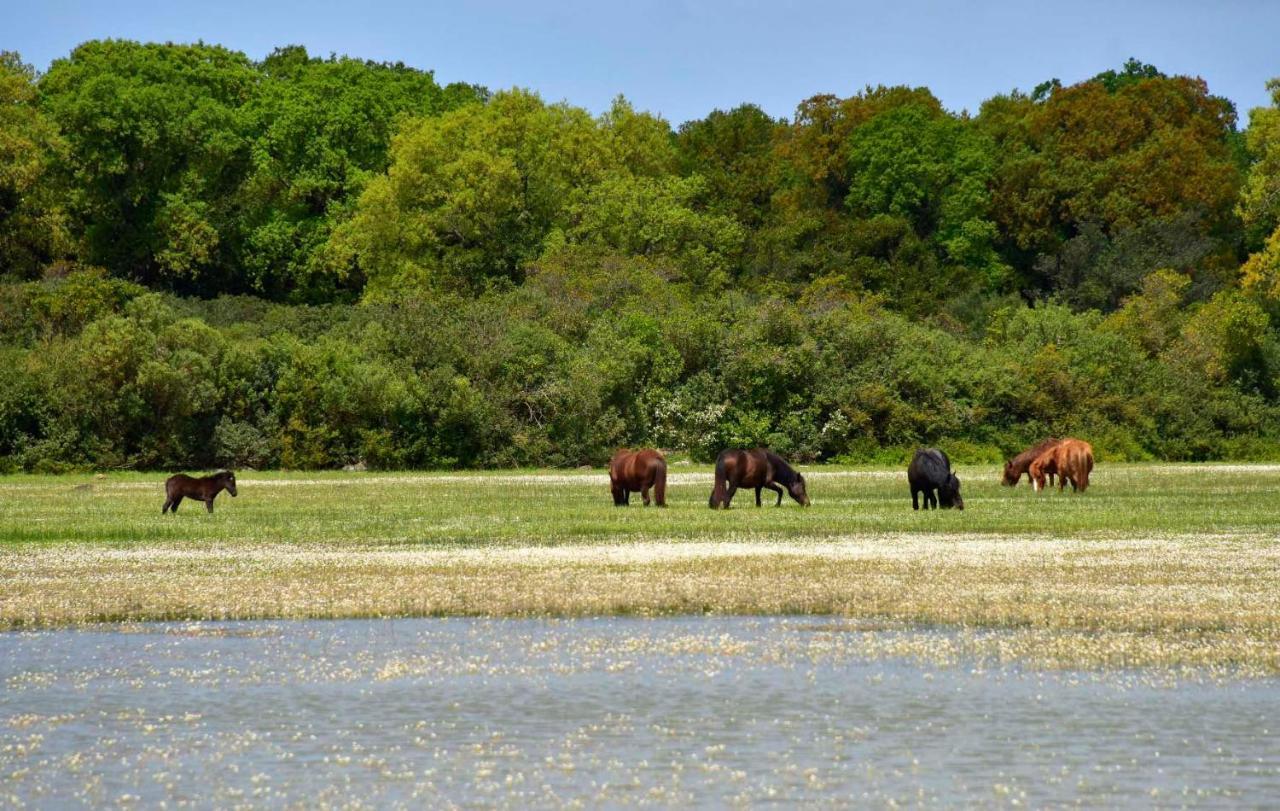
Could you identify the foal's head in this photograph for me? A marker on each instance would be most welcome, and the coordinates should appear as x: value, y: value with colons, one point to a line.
x: 227, y: 479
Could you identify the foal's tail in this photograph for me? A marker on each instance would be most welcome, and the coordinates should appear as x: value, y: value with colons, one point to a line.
x: 660, y: 482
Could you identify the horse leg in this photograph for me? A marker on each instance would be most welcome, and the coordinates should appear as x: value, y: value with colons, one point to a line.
x: 168, y: 502
x: 208, y: 503
x: 775, y: 488
x: 915, y: 499
x: 728, y: 496
x: 619, y: 495
x: 758, y: 496
x: 173, y: 508
x: 931, y: 499
x: 644, y: 496
x: 660, y: 489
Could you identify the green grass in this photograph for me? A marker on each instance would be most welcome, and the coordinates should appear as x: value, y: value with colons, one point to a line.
x: 1171, y: 565
x: 551, y: 507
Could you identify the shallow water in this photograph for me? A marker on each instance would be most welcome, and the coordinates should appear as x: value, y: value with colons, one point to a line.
x: 682, y: 711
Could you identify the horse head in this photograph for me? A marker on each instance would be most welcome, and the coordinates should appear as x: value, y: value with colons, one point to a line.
x: 1011, y: 476
x: 229, y: 482
x: 797, y: 490
x: 949, y: 493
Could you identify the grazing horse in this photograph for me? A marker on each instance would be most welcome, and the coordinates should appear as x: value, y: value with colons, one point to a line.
x: 1071, y: 459
x: 761, y: 469
x: 930, y: 470
x: 205, y: 488
x: 1015, y: 467
x: 632, y: 471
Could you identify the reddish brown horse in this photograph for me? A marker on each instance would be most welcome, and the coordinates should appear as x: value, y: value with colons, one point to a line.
x: 1020, y: 464
x: 1071, y: 459
x: 761, y: 469
x: 205, y: 489
x: 637, y: 471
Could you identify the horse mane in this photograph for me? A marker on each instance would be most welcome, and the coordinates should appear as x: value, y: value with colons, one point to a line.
x: 783, y: 473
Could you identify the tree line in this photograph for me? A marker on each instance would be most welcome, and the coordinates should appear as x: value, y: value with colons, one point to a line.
x: 307, y: 262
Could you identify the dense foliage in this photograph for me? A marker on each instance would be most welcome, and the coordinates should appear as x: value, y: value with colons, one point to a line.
x: 309, y: 262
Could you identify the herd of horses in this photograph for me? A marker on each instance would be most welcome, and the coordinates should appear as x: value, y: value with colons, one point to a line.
x: 645, y: 472
x: 929, y: 474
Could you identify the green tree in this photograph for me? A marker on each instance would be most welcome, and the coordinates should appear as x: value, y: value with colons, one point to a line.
x: 157, y: 148
x: 321, y: 128
x: 33, y: 227
x: 471, y: 196
x: 1116, y: 152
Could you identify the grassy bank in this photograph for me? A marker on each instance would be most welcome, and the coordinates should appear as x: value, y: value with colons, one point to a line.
x: 1170, y: 565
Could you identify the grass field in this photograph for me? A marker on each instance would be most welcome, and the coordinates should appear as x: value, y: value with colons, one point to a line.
x: 1173, y: 565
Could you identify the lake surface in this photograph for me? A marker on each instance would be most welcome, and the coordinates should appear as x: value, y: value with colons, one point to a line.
x: 604, y: 712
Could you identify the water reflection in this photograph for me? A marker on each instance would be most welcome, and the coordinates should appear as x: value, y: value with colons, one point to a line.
x: 689, y: 711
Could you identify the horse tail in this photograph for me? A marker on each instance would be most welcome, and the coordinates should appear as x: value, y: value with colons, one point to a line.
x: 660, y: 482
x: 1086, y: 466
x: 722, y: 477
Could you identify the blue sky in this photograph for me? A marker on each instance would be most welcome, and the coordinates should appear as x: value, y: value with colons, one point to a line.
x: 683, y: 59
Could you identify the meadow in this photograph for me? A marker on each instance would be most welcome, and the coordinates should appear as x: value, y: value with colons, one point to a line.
x: 1171, y: 565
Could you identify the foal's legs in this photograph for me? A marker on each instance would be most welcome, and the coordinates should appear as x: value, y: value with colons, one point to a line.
x: 174, y: 502
x: 728, y: 496
x: 208, y: 503
x: 775, y: 488
x: 757, y: 496
x: 644, y: 496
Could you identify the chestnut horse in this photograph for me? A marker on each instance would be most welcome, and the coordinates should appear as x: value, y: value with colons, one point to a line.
x: 1015, y: 467
x: 759, y: 468
x: 1071, y: 459
x: 205, y: 488
x: 632, y: 471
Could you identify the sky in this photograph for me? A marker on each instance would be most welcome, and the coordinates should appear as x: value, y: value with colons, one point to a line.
x: 682, y: 59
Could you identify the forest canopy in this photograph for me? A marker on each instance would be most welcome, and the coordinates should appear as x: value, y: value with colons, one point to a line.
x: 308, y: 262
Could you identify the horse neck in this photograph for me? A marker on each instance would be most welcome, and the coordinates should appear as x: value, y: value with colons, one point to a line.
x: 783, y: 473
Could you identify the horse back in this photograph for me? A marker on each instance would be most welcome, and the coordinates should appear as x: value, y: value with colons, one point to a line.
x: 756, y: 470
x: 645, y: 466
x: 179, y: 483
x: 1075, y: 458
x: 1022, y: 462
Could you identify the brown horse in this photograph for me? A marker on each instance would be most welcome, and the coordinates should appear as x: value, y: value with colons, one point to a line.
x: 1015, y: 467
x: 632, y: 471
x: 759, y: 468
x: 205, y: 488
x: 1071, y: 459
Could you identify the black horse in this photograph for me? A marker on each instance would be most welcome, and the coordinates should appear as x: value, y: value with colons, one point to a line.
x: 760, y: 469
x: 205, y: 489
x: 930, y: 471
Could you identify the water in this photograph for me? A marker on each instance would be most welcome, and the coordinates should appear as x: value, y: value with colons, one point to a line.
x: 688, y: 711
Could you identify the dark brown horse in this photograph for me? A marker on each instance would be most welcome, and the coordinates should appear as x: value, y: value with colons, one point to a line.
x: 761, y: 469
x: 205, y: 488
x: 1020, y: 464
x: 1071, y: 459
x: 637, y: 471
